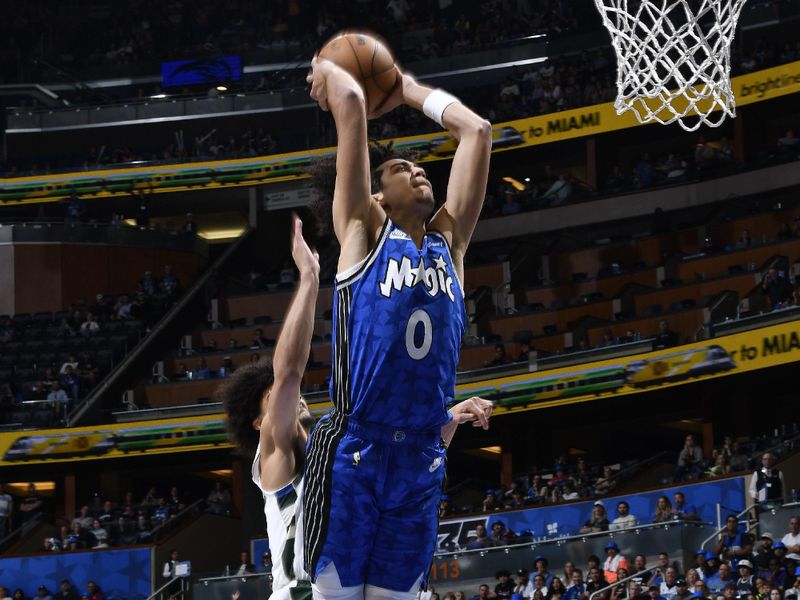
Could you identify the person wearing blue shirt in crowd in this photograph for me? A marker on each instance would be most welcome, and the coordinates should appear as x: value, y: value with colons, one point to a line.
x: 718, y: 581
x: 734, y: 544
x: 682, y: 510
x: 540, y: 564
x: 578, y: 587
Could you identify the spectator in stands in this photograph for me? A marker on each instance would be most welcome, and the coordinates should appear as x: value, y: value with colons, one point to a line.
x: 734, y: 544
x: 107, y: 515
x: 266, y: 563
x: 59, y: 399
x: 500, y: 357
x: 483, y: 593
x: 681, y: 510
x: 175, y: 501
x: 792, y: 540
x: 31, y: 505
x: 71, y: 361
x: 122, y: 532
x: 764, y: 552
x: 776, y: 289
x: 556, y: 590
x: 93, y: 591
x: 168, y: 572
x: 605, y: 484
x: 624, y: 519
x: 142, y: 530
x: 539, y: 586
x: 569, y: 492
x: 219, y: 500
x: 598, y: 521
x: 596, y: 580
x: 720, y: 466
x: 668, y: 587
x: 90, y: 326
x: 523, y: 587
x: 122, y: 308
x: 665, y: 338
x: 779, y: 548
x: 43, y: 593
x: 71, y: 383
x: 227, y: 368
x: 480, y: 539
x: 505, y: 585
x: 723, y: 577
x: 614, y: 561
x: 148, y: 285
x: 578, y: 588
x: 490, y: 503
x: 66, y: 591
x: 661, y: 568
x: 683, y: 592
x: 654, y: 592
x: 774, y: 575
x: 690, y: 460
x: 501, y: 536
x: 6, y: 510
x: 745, y: 584
x: 245, y: 566
x: 737, y: 459
x: 170, y: 284
x: 162, y: 512
x: 766, y: 484
x: 202, y: 371
x: 100, y: 534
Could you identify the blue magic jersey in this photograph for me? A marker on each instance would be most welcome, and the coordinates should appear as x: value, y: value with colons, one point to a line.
x: 398, y: 320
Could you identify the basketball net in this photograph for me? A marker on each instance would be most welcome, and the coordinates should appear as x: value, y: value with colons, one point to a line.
x: 673, y: 59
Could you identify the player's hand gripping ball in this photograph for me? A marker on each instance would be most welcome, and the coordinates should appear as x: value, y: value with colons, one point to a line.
x: 369, y: 62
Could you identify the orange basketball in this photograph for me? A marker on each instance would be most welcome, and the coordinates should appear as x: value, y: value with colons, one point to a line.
x: 368, y: 60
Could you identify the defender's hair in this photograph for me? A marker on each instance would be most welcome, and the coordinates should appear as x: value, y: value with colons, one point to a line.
x: 241, y: 396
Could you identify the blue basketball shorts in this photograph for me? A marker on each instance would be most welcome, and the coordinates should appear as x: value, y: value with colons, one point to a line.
x: 371, y: 502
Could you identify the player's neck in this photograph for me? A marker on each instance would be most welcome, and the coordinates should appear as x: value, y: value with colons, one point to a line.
x: 412, y: 226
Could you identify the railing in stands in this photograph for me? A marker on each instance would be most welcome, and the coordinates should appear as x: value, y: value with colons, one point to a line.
x: 20, y: 531
x: 145, y: 345
x: 193, y: 509
x: 167, y: 590
x: 616, y: 583
x: 721, y: 529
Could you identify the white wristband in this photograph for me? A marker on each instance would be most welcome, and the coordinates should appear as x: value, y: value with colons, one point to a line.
x: 435, y: 103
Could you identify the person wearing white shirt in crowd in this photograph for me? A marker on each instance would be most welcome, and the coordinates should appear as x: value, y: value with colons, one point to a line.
x: 524, y: 586
x: 767, y: 483
x: 625, y: 518
x: 6, y: 508
x: 169, y: 566
x: 792, y: 539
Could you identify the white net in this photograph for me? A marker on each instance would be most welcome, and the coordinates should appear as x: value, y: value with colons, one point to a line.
x: 673, y: 58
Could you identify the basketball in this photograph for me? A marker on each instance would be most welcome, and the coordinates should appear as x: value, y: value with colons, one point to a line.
x: 368, y: 60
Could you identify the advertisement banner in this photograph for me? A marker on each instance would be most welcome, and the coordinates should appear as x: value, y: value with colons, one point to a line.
x: 738, y: 353
x: 112, y: 441
x: 532, y: 131
x: 121, y: 573
x: 564, y: 520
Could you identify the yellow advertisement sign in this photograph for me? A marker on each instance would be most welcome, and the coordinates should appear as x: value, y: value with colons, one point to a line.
x: 112, y: 441
x: 521, y: 133
x: 738, y: 353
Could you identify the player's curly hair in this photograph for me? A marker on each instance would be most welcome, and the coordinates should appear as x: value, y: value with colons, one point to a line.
x: 323, y: 176
x: 241, y: 396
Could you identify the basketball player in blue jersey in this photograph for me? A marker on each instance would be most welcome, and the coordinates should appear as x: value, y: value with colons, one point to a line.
x: 266, y: 415
x: 376, y: 463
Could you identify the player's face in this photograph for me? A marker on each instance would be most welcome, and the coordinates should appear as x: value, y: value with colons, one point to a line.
x: 405, y: 187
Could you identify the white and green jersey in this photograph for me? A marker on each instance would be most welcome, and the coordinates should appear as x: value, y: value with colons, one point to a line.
x: 283, y: 509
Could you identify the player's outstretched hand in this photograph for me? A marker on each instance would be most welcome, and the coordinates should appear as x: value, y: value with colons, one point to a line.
x: 474, y: 410
x: 306, y: 259
x: 323, y: 70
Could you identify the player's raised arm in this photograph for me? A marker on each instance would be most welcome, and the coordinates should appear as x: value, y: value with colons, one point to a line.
x: 280, y: 430
x: 336, y: 91
x: 467, y: 185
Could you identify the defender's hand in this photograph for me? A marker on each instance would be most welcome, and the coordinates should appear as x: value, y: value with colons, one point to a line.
x: 306, y: 259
